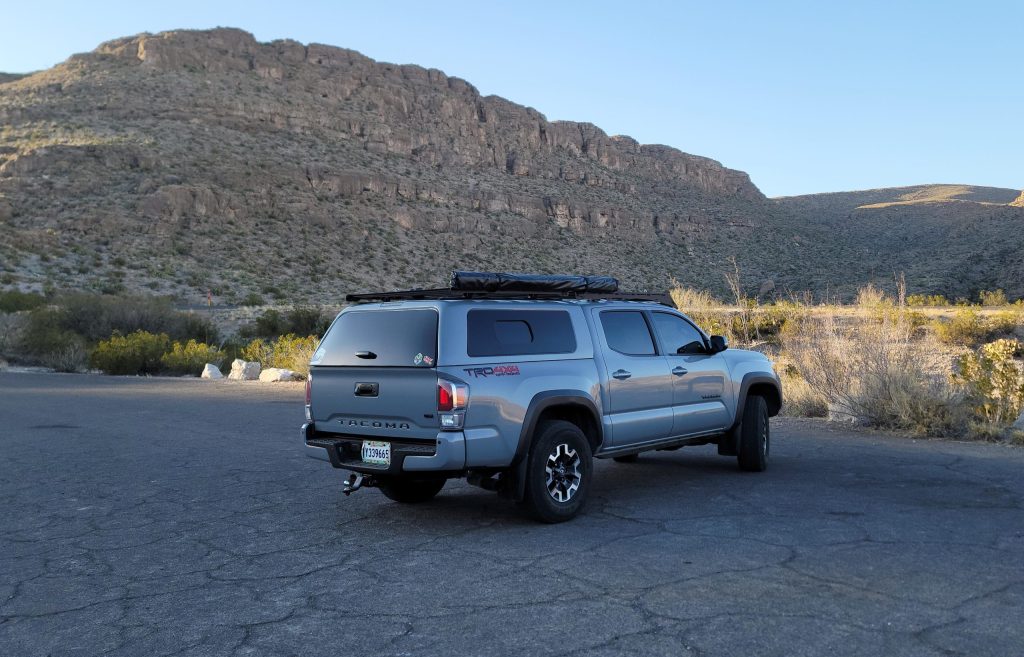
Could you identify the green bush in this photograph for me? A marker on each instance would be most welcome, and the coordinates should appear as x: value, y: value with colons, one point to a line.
x: 14, y: 301
x: 136, y: 353
x: 993, y: 298
x: 190, y: 357
x: 290, y: 352
x: 994, y: 381
x: 965, y: 328
x: 969, y: 329
x: 927, y: 300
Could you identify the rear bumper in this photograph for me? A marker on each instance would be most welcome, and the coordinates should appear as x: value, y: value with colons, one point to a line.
x: 447, y: 453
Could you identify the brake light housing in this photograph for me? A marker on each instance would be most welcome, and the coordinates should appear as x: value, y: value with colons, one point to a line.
x: 309, y: 397
x: 452, y: 399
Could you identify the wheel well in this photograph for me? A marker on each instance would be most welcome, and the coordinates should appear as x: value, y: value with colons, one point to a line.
x: 770, y: 394
x: 578, y: 415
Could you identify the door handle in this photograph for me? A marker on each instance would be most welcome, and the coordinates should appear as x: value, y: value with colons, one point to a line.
x: 621, y: 375
x: 679, y: 371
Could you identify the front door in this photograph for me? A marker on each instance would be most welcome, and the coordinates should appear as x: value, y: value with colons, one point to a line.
x: 639, y: 383
x: 698, y: 396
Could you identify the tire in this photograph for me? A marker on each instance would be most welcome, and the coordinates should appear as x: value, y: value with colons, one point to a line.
x: 628, y: 458
x: 411, y: 491
x: 755, y: 437
x: 558, y: 496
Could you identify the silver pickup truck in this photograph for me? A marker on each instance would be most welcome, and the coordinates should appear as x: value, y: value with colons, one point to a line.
x: 518, y: 382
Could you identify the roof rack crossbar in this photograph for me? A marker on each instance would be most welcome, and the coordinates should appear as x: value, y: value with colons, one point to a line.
x: 450, y: 294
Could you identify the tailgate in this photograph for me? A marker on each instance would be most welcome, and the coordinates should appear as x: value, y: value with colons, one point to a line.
x: 392, y: 402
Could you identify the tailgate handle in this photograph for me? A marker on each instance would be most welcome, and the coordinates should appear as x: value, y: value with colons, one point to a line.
x: 367, y: 389
x: 369, y: 355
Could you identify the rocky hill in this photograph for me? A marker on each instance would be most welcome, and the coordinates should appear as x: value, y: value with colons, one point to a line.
x: 188, y: 161
x: 950, y: 239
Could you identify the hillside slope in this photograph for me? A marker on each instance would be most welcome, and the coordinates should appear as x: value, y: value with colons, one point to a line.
x: 950, y: 239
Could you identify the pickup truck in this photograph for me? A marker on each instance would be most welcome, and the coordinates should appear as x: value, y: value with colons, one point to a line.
x: 517, y: 382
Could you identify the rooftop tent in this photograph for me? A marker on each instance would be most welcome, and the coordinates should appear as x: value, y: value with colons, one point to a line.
x: 475, y: 281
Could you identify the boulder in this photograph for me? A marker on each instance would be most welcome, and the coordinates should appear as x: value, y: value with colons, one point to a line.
x: 274, y: 374
x: 211, y: 371
x: 1019, y: 422
x: 244, y: 371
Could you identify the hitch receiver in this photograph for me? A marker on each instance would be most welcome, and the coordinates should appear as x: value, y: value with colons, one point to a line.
x: 355, y: 482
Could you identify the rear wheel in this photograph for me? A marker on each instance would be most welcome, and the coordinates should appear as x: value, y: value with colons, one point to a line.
x: 558, y: 472
x: 755, y: 438
x: 411, y: 491
x: 629, y: 458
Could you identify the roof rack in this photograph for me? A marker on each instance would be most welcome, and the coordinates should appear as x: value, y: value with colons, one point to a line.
x: 443, y: 293
x: 491, y: 285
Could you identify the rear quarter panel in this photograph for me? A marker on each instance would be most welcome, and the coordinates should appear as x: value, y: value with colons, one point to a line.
x: 501, y: 388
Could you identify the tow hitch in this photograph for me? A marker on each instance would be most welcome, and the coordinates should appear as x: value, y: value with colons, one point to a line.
x: 356, y: 481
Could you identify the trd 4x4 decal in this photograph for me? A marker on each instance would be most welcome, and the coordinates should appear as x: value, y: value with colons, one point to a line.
x: 499, y: 370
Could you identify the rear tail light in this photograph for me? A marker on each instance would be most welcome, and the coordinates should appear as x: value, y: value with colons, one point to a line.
x: 452, y: 398
x: 309, y: 396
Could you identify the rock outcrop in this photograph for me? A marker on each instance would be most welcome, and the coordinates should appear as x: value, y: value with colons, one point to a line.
x: 211, y: 371
x: 244, y: 370
x: 1019, y: 202
x: 277, y: 374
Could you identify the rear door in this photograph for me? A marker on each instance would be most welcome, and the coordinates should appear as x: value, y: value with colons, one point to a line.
x: 374, y: 375
x: 698, y: 377
x: 639, y: 383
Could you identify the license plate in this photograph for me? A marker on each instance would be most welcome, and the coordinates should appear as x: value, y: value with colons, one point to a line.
x: 376, y: 452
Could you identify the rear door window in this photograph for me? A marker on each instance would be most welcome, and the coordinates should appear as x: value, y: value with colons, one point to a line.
x: 519, y: 333
x: 627, y: 333
x: 381, y: 338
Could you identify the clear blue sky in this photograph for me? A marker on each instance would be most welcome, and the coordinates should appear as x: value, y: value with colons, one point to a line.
x: 804, y: 96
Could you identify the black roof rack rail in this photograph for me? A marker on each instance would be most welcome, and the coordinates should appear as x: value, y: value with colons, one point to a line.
x: 444, y: 293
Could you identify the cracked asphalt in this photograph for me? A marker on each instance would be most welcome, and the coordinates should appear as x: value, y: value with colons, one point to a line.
x: 180, y: 517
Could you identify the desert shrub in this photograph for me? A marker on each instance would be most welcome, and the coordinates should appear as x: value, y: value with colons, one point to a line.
x: 12, y: 327
x: 300, y: 320
x: 965, y: 328
x: 288, y: 351
x: 927, y: 300
x: 190, y: 357
x: 870, y: 296
x: 70, y: 356
x: 800, y: 399
x: 968, y: 328
x: 994, y: 381
x: 252, y: 299
x: 875, y: 373
x: 136, y: 353
x: 96, y: 317
x: 14, y: 301
x: 993, y: 298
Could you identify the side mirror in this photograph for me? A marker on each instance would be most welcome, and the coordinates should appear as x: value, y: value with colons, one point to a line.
x: 718, y: 344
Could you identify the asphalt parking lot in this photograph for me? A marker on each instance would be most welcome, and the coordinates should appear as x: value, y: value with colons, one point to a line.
x: 180, y: 517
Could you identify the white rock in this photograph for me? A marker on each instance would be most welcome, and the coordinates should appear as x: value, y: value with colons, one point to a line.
x: 273, y: 374
x: 1019, y: 423
x: 244, y: 371
x: 211, y: 371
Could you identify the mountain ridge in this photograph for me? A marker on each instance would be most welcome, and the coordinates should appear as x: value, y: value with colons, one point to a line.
x: 188, y: 161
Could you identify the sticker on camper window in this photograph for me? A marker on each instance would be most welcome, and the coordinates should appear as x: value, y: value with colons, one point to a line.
x: 417, y: 359
x: 428, y: 360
